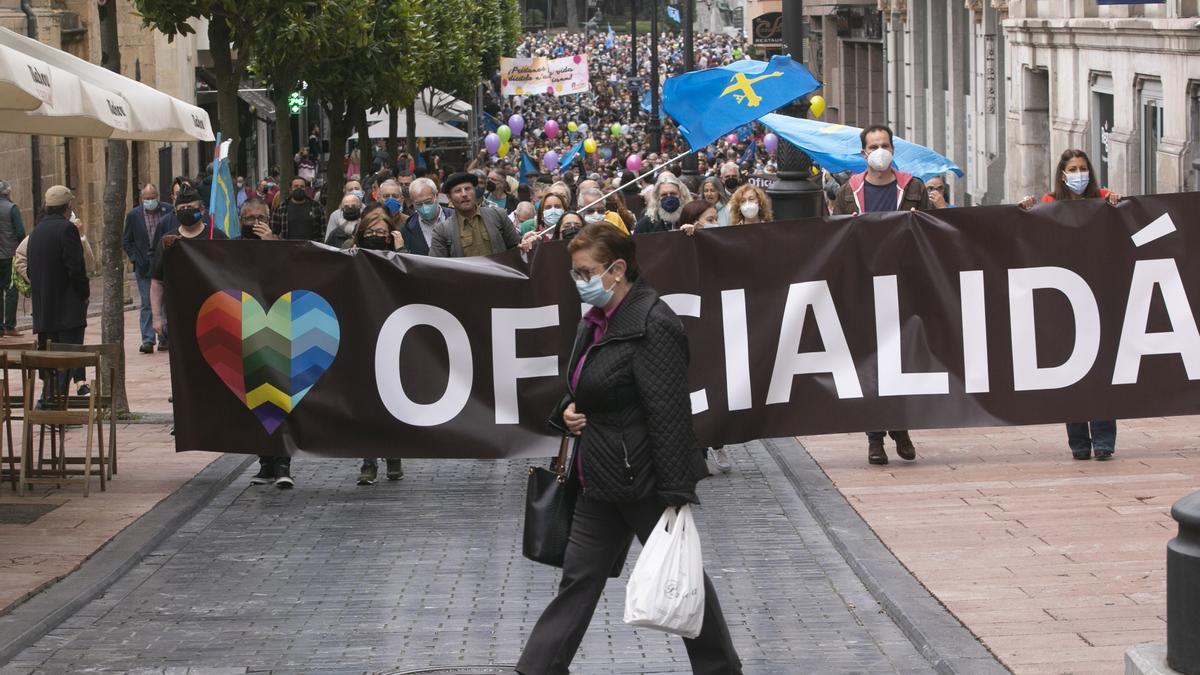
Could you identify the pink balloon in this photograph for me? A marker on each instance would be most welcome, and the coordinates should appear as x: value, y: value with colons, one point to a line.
x: 731, y: 139
x: 770, y: 142
x: 550, y: 160
x: 551, y: 128
x: 517, y: 124
x: 633, y: 163
x: 492, y: 143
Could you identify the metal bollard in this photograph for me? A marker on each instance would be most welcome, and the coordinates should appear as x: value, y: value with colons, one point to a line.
x: 1183, y: 588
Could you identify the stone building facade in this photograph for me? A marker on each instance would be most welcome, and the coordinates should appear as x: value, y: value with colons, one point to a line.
x: 73, y: 26
x: 1002, y: 87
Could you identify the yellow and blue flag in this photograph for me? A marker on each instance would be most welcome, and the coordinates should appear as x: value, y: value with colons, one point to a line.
x: 608, y: 41
x: 222, y: 203
x: 837, y: 147
x: 570, y: 155
x: 708, y: 104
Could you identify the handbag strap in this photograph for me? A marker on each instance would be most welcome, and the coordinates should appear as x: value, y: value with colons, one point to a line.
x: 562, y: 463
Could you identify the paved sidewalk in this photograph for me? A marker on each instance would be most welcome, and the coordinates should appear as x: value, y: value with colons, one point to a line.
x: 332, y: 577
x: 1057, y: 565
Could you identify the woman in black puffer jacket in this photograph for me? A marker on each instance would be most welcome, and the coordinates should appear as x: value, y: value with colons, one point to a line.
x: 637, y: 453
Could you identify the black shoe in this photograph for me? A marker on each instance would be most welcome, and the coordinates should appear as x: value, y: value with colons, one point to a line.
x: 162, y: 345
x: 369, y: 473
x: 394, y: 470
x: 283, y: 477
x: 83, y: 390
x: 904, y: 445
x: 146, y: 348
x: 1083, y: 454
x: 1104, y: 455
x: 265, y: 475
x: 876, y: 453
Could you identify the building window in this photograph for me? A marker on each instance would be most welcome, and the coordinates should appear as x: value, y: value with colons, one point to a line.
x: 1193, y: 152
x: 1151, y: 133
x: 1102, y: 123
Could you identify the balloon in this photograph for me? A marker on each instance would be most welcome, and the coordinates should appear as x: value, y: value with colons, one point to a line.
x: 589, y: 146
x: 492, y: 143
x: 816, y: 105
x: 551, y: 128
x: 625, y: 129
x: 517, y: 124
x: 771, y: 143
x: 572, y: 127
x: 615, y: 129
x: 606, y: 153
x: 633, y: 163
x: 731, y: 139
x: 550, y: 159
x: 583, y: 128
x: 503, y: 149
x: 504, y: 133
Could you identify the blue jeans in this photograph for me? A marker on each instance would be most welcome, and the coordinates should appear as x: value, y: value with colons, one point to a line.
x: 1103, y: 436
x: 146, y: 316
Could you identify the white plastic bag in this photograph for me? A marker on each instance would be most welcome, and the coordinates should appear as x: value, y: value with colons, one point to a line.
x: 666, y: 588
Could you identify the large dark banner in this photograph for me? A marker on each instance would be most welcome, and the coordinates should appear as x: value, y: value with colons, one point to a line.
x: 961, y: 317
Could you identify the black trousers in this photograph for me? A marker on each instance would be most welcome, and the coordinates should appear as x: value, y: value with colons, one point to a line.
x: 68, y: 336
x: 598, y: 535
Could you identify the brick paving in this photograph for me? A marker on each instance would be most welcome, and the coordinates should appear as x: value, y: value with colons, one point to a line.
x: 1057, y: 565
x: 332, y: 577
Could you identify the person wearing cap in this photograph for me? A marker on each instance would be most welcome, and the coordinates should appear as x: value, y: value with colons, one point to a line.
x: 189, y: 212
x: 57, y: 273
x: 472, y: 230
x: 12, y: 232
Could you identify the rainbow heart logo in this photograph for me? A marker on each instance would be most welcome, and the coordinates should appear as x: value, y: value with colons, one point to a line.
x: 269, y: 359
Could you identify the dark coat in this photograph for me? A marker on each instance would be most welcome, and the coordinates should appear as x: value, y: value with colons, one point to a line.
x: 57, y: 275
x: 639, y: 440
x: 646, y: 224
x: 414, y: 239
x: 136, y: 241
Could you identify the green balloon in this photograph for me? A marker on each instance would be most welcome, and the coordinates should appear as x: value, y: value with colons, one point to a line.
x: 615, y: 129
x: 504, y: 132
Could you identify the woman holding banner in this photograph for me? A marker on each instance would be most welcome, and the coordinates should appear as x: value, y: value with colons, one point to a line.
x: 627, y: 400
x: 1072, y: 181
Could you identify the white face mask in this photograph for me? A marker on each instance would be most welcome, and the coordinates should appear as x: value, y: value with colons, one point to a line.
x: 880, y: 159
x: 1077, y: 182
x: 593, y: 218
x: 749, y: 209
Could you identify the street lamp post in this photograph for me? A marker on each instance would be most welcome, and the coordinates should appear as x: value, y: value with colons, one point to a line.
x: 655, y: 126
x: 690, y: 166
x: 794, y: 195
x: 634, y: 103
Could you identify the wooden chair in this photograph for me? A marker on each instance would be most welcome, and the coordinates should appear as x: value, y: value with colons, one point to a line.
x: 12, y: 468
x: 55, y: 414
x: 107, y: 377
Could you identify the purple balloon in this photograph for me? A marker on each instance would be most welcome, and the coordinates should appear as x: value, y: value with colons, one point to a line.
x: 492, y: 143
x: 516, y: 123
x: 550, y: 160
x: 731, y: 139
x: 771, y: 143
x: 633, y: 163
x: 551, y: 129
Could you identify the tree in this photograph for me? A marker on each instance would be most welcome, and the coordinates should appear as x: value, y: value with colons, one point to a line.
x: 230, y: 27
x: 112, y: 258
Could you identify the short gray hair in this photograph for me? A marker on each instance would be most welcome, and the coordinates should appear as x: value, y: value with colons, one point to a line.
x: 5, y: 189
x: 423, y: 183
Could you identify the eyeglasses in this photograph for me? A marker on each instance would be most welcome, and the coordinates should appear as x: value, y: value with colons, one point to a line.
x: 254, y: 219
x: 584, y: 275
x: 591, y: 211
x: 376, y: 233
x: 935, y: 188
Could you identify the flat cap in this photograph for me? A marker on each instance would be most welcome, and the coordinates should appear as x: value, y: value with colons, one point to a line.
x: 456, y: 179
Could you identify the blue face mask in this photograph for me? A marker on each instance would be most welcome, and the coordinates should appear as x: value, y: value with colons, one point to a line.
x: 552, y: 216
x: 670, y: 203
x: 427, y: 211
x: 392, y: 205
x: 593, y: 291
x: 357, y: 193
x: 150, y: 204
x: 1077, y: 182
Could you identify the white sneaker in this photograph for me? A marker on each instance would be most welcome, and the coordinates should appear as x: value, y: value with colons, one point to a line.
x: 722, y: 460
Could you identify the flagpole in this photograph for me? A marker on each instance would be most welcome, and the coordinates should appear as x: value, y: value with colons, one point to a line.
x: 617, y: 189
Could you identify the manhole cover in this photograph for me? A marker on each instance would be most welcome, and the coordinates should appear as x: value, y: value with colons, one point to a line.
x: 23, y: 514
x: 460, y: 670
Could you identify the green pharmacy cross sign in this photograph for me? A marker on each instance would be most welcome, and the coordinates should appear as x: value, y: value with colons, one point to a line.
x: 295, y: 102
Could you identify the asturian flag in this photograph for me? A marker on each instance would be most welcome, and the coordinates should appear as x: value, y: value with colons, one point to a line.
x: 222, y: 205
x: 708, y: 104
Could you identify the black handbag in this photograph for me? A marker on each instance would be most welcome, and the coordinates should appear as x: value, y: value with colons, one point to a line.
x: 549, y: 509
